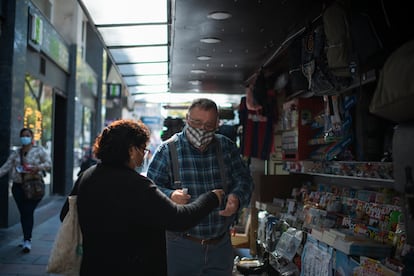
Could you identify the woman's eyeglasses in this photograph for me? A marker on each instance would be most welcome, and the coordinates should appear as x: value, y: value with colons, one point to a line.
x: 144, y: 150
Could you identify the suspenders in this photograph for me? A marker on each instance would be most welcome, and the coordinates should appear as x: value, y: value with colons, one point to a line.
x: 174, y: 159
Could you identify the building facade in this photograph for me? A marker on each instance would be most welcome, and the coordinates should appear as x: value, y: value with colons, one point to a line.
x: 53, y: 79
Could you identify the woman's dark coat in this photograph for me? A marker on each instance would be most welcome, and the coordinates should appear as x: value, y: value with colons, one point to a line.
x: 123, y: 218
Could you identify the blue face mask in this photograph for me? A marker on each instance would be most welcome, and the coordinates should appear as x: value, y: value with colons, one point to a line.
x: 25, y: 140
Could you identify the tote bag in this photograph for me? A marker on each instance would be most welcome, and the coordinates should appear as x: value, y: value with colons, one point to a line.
x: 66, y: 254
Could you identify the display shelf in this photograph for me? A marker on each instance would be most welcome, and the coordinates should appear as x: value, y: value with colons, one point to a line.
x: 352, y: 181
x: 369, y: 216
x: 350, y: 173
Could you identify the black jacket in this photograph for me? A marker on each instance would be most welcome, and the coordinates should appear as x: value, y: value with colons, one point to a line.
x: 123, y: 218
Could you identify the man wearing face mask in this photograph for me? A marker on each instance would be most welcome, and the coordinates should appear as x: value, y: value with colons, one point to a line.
x: 198, y: 147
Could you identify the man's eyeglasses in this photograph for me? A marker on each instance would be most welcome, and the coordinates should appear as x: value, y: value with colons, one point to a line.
x: 199, y: 124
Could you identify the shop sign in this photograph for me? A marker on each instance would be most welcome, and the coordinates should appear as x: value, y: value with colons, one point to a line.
x: 113, y: 91
x: 43, y: 37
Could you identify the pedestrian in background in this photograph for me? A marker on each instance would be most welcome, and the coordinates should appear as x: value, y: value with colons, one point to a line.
x: 88, y: 160
x: 27, y: 159
x: 205, y: 249
x: 122, y: 214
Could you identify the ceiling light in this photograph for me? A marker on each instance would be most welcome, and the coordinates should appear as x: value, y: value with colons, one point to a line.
x: 210, y: 40
x: 226, y: 105
x: 219, y: 15
x: 195, y: 82
x: 203, y: 57
x: 198, y: 71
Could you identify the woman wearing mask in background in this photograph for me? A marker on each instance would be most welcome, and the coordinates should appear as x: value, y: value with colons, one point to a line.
x: 122, y: 214
x: 27, y: 159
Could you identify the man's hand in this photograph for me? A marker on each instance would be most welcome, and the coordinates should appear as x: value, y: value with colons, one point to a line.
x: 179, y: 197
x: 231, y: 207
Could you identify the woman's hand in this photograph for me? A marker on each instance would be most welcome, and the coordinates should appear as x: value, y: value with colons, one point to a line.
x: 220, y: 195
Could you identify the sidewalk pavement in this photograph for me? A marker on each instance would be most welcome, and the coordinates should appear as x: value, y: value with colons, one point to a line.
x: 13, y: 262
